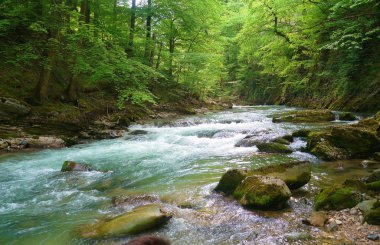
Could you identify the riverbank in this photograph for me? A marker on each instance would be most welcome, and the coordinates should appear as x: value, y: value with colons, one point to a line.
x: 59, y: 125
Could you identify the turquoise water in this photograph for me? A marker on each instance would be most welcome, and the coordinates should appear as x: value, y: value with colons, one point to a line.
x: 176, y: 162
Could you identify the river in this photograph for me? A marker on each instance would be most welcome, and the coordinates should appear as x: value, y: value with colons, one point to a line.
x: 176, y: 162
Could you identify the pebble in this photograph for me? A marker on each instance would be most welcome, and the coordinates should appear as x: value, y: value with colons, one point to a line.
x: 338, y: 222
x: 353, y: 211
x: 373, y: 237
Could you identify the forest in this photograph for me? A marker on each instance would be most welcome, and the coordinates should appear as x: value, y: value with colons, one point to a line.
x: 322, y: 54
x: 189, y: 122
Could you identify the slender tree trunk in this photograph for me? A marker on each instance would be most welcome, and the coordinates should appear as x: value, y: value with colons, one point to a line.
x: 96, y: 17
x: 159, y: 56
x: 148, y: 42
x: 132, y: 29
x: 85, y: 11
x: 171, y: 48
x: 152, y: 51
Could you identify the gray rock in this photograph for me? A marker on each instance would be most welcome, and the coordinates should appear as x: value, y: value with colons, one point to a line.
x: 12, y: 108
x: 373, y: 237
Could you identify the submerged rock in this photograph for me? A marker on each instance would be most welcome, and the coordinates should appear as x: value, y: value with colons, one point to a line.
x: 138, y: 220
x: 294, y: 174
x: 274, y: 148
x: 70, y: 166
x: 347, y: 116
x: 230, y: 180
x: 306, y: 116
x: 248, y: 141
x: 262, y: 192
x: 138, y: 132
x: 333, y: 198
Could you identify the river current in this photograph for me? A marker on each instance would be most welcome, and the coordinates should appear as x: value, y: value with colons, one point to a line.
x: 176, y: 162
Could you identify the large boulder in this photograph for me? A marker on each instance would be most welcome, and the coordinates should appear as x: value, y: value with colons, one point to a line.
x: 262, y: 192
x: 70, y: 166
x: 294, y: 174
x: 274, y: 148
x: 357, y: 141
x: 140, y: 219
x: 334, y: 198
x: 12, y: 108
x: 344, y: 142
x: 230, y: 180
x: 306, y: 116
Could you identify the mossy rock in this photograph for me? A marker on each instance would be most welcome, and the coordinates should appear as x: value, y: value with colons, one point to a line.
x: 347, y: 116
x: 374, y: 186
x: 140, y: 219
x: 274, y: 148
x: 373, y: 217
x: 325, y: 151
x: 375, y: 176
x: 262, y: 192
x: 359, y: 142
x: 295, y: 174
x: 306, y: 116
x: 230, y: 180
x: 288, y: 137
x: 336, y: 199
x: 248, y: 141
x: 281, y: 141
x: 70, y: 166
x: 357, y: 184
x: 376, y: 156
x: 301, y: 133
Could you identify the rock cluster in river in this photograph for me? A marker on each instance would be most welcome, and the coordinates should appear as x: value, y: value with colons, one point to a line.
x: 360, y: 140
x: 305, y: 116
x: 266, y: 188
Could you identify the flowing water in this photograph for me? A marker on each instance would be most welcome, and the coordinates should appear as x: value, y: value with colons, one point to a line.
x: 177, y: 163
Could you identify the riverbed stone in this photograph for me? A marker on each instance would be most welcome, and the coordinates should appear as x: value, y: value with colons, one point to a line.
x: 294, y: 174
x: 274, y: 148
x: 248, y: 141
x: 70, y: 166
x: 375, y: 176
x: 301, y: 133
x: 230, y: 180
x: 281, y: 141
x: 140, y: 219
x: 334, y: 198
x: 306, y: 116
x: 317, y: 219
x: 347, y: 116
x: 262, y: 192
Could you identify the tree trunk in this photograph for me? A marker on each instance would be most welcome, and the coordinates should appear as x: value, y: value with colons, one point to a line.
x: 85, y: 11
x: 151, y: 57
x: 159, y: 56
x: 132, y: 29
x: 42, y: 88
x: 171, y: 48
x: 72, y: 88
x: 96, y: 17
x: 148, y: 42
